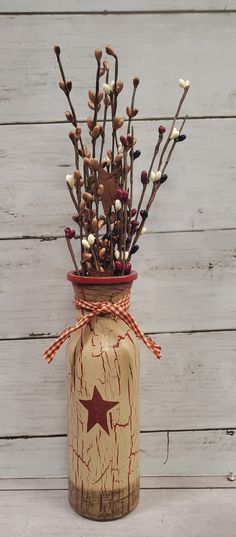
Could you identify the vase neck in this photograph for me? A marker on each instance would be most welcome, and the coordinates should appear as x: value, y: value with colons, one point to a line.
x: 102, y: 293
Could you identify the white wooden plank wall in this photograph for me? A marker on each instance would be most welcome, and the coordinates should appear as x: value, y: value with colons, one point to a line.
x: 185, y: 295
x: 158, y: 46
x: 123, y: 6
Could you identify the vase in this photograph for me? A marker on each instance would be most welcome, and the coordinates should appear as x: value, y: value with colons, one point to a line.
x: 103, y: 368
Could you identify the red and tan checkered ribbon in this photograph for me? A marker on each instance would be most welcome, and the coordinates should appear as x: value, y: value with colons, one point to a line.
x: 119, y: 309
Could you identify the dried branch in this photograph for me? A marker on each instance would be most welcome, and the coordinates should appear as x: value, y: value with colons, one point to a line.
x: 106, y: 105
x: 111, y: 181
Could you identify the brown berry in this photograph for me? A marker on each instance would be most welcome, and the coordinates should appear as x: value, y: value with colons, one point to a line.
x: 91, y: 105
x: 110, y: 50
x: 87, y: 196
x: 69, y: 116
x: 77, y: 174
x: 100, y: 96
x: 118, y: 158
x: 118, y: 122
x: 98, y: 54
x: 129, y: 111
x: 88, y: 162
x: 135, y: 81
x: 96, y: 131
x: 89, y: 122
x: 94, y: 224
x: 134, y: 112
x: 76, y: 218
x: 101, y: 71
x: 57, y: 50
x: 62, y: 85
x: 100, y: 190
x: 102, y: 253
x: 68, y: 86
x: 92, y: 95
x: 72, y: 136
x: 82, y: 205
x: 78, y: 132
x: 119, y: 86
x: 101, y: 223
x: 86, y: 256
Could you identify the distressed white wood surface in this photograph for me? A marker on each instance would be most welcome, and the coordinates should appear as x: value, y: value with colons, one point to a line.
x: 197, y: 195
x: 160, y: 512
x: 186, y: 282
x: 94, y: 6
x: 30, y: 91
x: 177, y: 453
x: 146, y: 482
x: 191, y: 388
x: 189, y: 453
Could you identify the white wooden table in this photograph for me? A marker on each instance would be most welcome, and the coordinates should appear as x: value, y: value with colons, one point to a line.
x: 185, y: 295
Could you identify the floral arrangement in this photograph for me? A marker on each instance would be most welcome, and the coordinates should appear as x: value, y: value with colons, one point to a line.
x: 102, y: 184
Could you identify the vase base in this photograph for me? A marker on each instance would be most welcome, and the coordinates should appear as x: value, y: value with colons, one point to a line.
x: 106, y: 505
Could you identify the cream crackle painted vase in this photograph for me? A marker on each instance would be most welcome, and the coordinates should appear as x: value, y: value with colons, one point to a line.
x: 103, y: 397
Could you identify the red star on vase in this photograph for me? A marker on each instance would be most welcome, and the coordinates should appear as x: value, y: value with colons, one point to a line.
x: 97, y: 410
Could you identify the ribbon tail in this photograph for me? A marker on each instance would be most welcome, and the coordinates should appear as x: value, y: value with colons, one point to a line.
x: 56, y: 344
x: 152, y: 345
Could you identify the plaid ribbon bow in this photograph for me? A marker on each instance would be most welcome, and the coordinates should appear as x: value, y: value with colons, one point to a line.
x: 119, y: 309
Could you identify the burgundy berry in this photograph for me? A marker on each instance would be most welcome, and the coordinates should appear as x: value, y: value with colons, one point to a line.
x: 119, y: 193
x: 124, y: 141
x: 125, y: 195
x: 135, y: 223
x: 69, y: 233
x: 128, y: 267
x: 118, y: 266
x: 162, y: 129
x: 144, y: 177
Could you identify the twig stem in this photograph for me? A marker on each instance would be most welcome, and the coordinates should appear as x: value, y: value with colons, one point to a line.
x: 131, y: 106
x: 114, y: 108
x: 96, y: 105
x: 104, y: 118
x: 72, y: 254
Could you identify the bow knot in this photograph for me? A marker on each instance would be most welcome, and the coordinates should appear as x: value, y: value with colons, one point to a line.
x: 118, y: 309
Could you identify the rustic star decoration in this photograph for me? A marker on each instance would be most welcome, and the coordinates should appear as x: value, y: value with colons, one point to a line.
x: 97, y: 410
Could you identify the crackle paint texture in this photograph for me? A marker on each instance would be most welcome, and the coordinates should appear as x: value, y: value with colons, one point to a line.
x: 103, y: 412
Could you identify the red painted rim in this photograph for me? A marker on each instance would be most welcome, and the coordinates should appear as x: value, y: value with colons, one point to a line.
x: 101, y: 280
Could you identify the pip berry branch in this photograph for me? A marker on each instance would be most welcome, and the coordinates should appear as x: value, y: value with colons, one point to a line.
x: 130, y: 110
x: 102, y: 190
x: 159, y: 177
x: 107, y: 102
